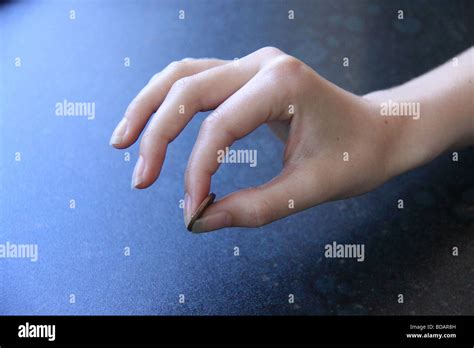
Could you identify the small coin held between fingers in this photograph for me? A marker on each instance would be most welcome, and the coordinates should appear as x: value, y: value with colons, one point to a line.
x: 200, y: 210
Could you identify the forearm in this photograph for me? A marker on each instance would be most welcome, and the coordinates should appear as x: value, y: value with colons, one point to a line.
x: 445, y: 97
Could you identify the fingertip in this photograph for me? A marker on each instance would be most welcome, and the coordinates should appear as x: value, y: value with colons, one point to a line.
x: 119, y: 133
x: 145, y: 173
x: 119, y: 145
x: 212, y: 222
x: 141, y: 183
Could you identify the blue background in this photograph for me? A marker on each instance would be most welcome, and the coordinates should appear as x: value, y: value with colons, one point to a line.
x: 81, y: 250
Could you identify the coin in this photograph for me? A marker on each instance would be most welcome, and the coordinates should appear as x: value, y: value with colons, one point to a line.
x: 200, y: 210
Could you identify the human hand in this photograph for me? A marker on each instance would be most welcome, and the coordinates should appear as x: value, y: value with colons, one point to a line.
x: 337, y: 144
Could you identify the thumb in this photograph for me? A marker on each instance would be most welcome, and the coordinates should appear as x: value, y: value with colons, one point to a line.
x: 286, y: 194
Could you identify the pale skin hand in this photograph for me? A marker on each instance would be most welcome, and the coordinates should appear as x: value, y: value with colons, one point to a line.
x: 328, y: 124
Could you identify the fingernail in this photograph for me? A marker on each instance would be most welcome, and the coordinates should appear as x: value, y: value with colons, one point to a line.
x: 137, y: 176
x: 213, y: 222
x: 187, y: 209
x: 119, y: 132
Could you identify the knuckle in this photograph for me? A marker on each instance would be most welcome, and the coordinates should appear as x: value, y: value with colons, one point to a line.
x: 152, y: 137
x: 144, y: 141
x: 261, y: 212
x: 173, y: 66
x: 286, y: 66
x: 285, y: 71
x: 146, y: 138
x: 154, y: 77
x: 211, y: 121
x: 136, y: 102
x: 179, y: 66
x: 181, y: 85
x: 271, y: 51
x: 216, y: 123
x: 188, y: 91
x: 187, y: 60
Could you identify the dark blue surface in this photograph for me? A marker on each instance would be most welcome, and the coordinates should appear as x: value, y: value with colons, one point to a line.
x: 81, y: 250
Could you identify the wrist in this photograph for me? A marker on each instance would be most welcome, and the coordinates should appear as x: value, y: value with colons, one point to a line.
x: 407, y: 130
